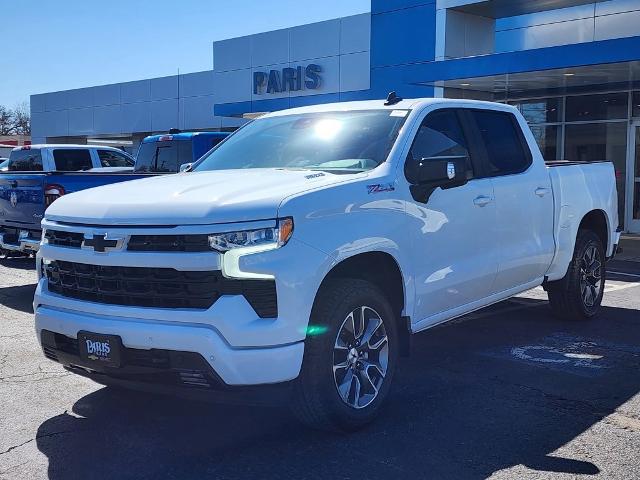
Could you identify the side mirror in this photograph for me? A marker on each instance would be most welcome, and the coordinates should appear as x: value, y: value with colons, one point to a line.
x: 185, y: 167
x: 427, y: 174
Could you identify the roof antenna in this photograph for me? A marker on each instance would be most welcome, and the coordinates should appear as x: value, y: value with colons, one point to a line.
x: 392, y: 99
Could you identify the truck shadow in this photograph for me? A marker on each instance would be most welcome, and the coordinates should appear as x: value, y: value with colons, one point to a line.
x: 20, y: 263
x: 19, y: 297
x: 504, y: 387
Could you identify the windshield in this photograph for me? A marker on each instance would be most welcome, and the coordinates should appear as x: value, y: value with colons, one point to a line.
x: 337, y: 141
x: 164, y: 156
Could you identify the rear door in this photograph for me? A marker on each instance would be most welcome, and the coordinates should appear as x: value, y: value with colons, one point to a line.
x: 72, y: 159
x: 524, y: 199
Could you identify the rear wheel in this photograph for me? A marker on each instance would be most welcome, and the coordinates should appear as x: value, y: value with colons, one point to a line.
x: 350, y: 360
x: 579, y: 294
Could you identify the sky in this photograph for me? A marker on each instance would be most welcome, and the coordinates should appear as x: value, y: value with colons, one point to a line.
x: 59, y: 45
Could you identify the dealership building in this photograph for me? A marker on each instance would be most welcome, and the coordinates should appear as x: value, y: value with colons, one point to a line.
x: 571, y: 66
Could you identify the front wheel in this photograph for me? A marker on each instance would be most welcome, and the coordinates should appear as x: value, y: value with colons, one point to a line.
x: 579, y: 294
x: 351, y: 353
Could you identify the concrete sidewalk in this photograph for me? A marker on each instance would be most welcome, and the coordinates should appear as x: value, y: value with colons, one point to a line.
x: 630, y: 248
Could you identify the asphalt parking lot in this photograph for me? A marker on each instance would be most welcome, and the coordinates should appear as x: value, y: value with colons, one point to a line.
x: 508, y: 392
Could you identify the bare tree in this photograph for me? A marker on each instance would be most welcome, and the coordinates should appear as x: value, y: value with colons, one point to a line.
x: 7, y: 126
x: 22, y: 119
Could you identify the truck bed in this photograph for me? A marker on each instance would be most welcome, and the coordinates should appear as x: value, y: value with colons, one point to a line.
x: 579, y: 187
x: 22, y: 202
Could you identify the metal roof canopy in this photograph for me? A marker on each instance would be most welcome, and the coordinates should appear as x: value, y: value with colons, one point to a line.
x: 512, y: 8
x: 593, y: 78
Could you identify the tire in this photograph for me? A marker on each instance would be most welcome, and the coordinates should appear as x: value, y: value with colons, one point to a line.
x: 316, y: 400
x: 578, y: 295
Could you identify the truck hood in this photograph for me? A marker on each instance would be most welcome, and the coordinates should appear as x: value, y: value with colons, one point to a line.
x: 195, y: 198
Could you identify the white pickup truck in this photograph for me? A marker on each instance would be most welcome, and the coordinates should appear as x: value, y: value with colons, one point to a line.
x: 307, y: 247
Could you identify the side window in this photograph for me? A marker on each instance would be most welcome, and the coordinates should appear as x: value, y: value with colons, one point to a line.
x: 72, y: 159
x: 25, y: 161
x: 503, y: 141
x: 109, y: 158
x: 440, y: 138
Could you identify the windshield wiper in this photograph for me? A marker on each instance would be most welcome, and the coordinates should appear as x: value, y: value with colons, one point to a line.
x: 336, y: 170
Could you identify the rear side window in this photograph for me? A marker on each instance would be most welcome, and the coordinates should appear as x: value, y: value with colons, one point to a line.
x: 25, y: 161
x: 71, y: 160
x: 109, y: 158
x: 503, y: 141
x: 440, y: 138
x: 163, y: 156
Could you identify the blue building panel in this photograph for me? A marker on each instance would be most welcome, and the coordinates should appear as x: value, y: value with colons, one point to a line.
x: 382, y: 6
x: 231, y: 109
x: 313, y: 100
x: 403, y: 36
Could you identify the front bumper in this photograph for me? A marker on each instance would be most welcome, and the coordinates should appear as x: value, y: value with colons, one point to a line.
x: 24, y: 245
x: 241, y: 347
x: 183, y: 374
x: 234, y: 366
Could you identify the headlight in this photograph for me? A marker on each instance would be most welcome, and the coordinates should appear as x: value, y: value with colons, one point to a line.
x: 276, y: 236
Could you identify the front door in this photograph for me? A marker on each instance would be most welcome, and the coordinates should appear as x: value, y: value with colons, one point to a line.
x: 455, y: 252
x: 633, y: 181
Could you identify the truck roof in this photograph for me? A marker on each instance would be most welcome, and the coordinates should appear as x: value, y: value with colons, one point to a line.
x: 406, y: 104
x: 183, y: 136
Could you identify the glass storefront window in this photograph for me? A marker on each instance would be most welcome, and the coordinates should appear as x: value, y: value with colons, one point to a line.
x: 607, y: 106
x: 635, y: 202
x: 545, y: 110
x: 547, y: 138
x: 636, y: 104
x: 600, y: 141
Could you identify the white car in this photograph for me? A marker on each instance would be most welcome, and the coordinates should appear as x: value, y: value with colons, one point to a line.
x: 306, y: 248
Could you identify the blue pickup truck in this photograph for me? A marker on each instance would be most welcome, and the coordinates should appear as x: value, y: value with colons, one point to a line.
x: 167, y: 153
x: 37, y: 175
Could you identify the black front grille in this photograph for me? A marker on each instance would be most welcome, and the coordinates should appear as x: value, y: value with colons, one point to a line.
x: 169, y: 243
x: 64, y: 239
x: 12, y: 235
x: 156, y: 287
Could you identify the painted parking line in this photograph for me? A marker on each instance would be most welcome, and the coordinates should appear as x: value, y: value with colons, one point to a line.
x: 612, y: 285
x: 615, y: 288
x: 518, y: 303
x: 625, y: 274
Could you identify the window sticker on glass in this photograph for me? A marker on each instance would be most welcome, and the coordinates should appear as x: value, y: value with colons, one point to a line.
x: 399, y: 113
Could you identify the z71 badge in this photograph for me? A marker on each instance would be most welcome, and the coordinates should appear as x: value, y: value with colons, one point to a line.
x: 380, y: 187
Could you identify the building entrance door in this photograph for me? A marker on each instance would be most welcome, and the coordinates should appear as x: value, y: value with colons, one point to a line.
x: 633, y: 181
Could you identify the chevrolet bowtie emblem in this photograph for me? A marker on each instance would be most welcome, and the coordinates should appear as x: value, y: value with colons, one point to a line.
x: 100, y: 243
